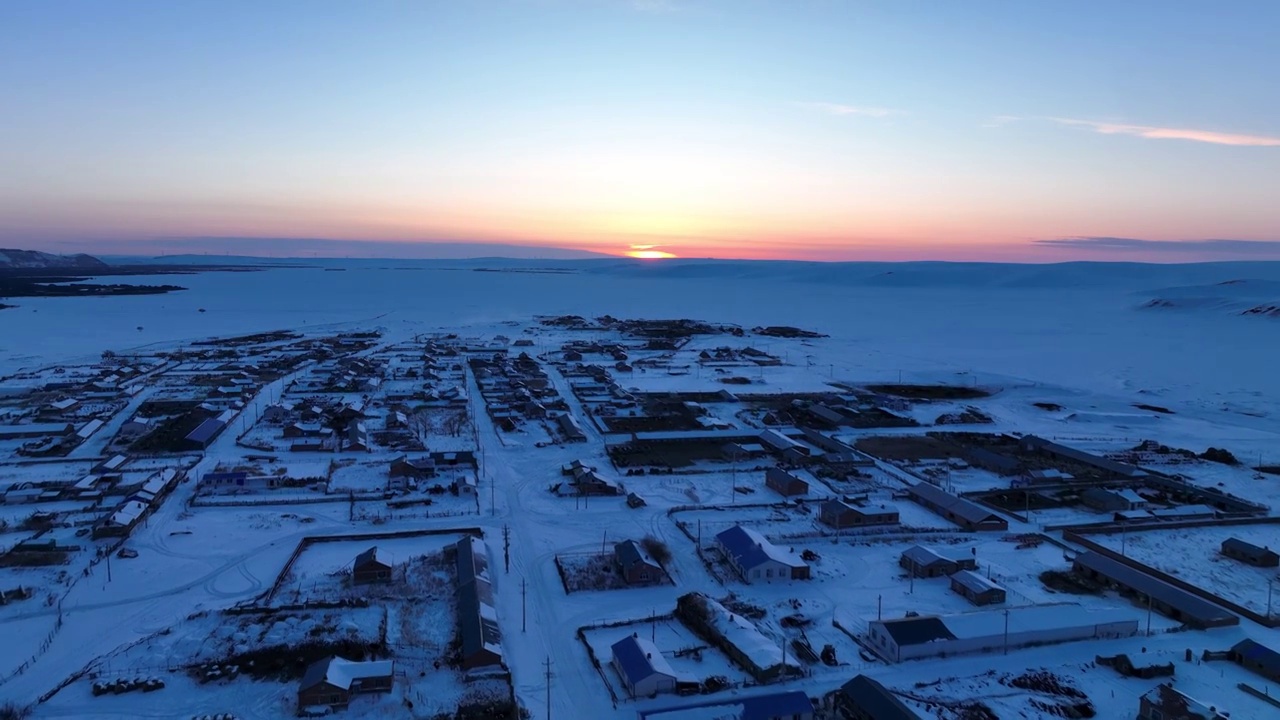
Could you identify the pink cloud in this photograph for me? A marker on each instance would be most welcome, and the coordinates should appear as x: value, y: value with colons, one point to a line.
x: 1162, y: 133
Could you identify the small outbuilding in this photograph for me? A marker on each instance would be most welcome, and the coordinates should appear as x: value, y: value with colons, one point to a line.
x: 1250, y: 554
x: 926, y: 562
x: 371, y: 566
x: 785, y: 483
x: 1164, y: 702
x: 976, y: 589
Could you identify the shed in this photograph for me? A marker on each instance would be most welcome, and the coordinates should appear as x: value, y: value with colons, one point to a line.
x: 1250, y: 554
x: 1257, y: 658
x: 371, y: 566
x: 926, y: 562
x: 965, y: 513
x: 784, y: 483
x: 976, y: 588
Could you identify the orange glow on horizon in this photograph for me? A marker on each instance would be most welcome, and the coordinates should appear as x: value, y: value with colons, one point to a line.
x: 650, y: 254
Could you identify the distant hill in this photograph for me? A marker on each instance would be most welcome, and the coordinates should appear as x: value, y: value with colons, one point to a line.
x: 35, y: 260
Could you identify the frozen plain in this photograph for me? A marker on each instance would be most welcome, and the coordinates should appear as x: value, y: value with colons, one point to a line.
x: 1074, y: 331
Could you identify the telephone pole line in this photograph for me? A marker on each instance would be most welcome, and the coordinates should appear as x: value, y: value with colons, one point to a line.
x: 547, y: 665
x: 524, y: 606
x: 506, y: 547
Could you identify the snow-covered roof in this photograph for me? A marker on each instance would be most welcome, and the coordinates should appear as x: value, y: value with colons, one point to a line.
x: 341, y: 673
x: 751, y: 549
x: 638, y: 659
x: 739, y: 632
x: 974, y: 582
x: 128, y: 513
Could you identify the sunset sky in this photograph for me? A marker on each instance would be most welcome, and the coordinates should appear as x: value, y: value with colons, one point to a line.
x: 805, y: 129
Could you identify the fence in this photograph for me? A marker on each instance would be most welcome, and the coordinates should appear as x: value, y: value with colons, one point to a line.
x: 310, y: 540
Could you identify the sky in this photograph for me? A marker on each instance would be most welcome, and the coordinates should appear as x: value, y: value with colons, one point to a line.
x: 796, y: 129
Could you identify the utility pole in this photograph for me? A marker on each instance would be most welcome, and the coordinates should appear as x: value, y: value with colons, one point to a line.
x: 604, y: 542
x: 506, y: 547
x: 1148, y: 616
x: 1269, y: 586
x: 880, y: 607
x: 547, y: 665
x: 1006, y: 631
x: 524, y: 607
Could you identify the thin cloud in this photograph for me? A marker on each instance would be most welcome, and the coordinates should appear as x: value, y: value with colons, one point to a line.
x: 1119, y: 244
x: 996, y: 121
x: 1163, y: 133
x: 840, y: 109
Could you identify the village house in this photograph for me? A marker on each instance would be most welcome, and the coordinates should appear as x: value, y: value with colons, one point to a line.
x: 1113, y: 500
x: 1250, y: 554
x: 925, y: 562
x: 418, y: 468
x: 305, y: 430
x: 371, y: 566
x: 756, y: 559
x: 636, y: 565
x: 864, y: 698
x: 965, y: 513
x: 976, y: 588
x: 643, y: 669
x: 332, y: 682
x: 138, y: 426
x: 841, y: 515
x: 784, y: 483
x: 1164, y: 702
x: 275, y: 413
x: 1257, y: 658
x: 357, y: 437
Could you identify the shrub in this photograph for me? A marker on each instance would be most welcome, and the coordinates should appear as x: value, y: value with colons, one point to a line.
x: 657, y: 549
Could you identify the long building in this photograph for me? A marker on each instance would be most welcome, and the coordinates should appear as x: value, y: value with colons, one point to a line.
x: 1166, y: 599
x: 934, y: 635
x: 965, y: 513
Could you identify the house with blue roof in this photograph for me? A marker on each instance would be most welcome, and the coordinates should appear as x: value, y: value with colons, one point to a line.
x: 643, y: 669
x: 756, y: 559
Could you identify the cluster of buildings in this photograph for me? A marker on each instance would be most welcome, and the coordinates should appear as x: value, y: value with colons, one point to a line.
x: 518, y: 389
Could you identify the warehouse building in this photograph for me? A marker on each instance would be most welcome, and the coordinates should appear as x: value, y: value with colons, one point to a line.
x: 933, y: 636
x: 1170, y: 601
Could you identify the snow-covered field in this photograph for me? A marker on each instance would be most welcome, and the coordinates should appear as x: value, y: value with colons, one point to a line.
x: 1074, y: 339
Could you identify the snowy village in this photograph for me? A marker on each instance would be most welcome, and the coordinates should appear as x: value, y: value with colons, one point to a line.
x: 575, y: 517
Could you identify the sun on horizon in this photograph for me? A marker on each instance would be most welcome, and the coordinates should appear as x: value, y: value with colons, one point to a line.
x: 649, y: 252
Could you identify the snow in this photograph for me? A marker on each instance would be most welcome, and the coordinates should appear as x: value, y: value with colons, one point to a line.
x: 1064, y: 335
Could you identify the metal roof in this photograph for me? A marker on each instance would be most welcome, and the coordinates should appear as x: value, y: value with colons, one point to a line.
x: 1256, y: 652
x: 974, y: 582
x: 1246, y: 548
x: 875, y: 700
x: 372, y: 556
x: 966, y: 509
x: 629, y: 553
x: 1184, y: 602
x: 340, y: 672
x: 639, y: 659
x: 751, y: 549
x: 922, y: 556
x: 916, y: 630
x: 206, y: 431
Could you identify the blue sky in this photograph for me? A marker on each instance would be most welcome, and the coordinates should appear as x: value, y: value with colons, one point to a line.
x: 814, y: 129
